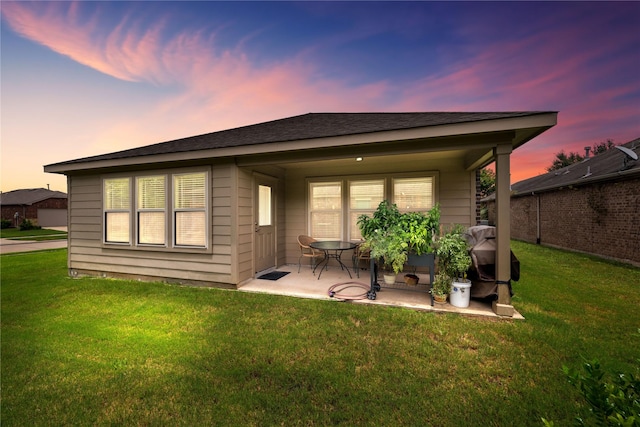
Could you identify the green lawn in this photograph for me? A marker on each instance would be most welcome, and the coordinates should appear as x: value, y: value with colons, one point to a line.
x: 41, y: 234
x: 115, y: 352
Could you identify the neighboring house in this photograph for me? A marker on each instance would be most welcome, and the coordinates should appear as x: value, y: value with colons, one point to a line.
x: 43, y: 207
x: 592, y: 206
x: 217, y: 209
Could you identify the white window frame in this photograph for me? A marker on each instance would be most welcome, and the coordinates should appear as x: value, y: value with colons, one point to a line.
x: 394, y: 198
x: 345, y: 182
x: 110, y: 210
x: 169, y: 211
x: 142, y: 210
x: 312, y: 211
x: 361, y: 211
x: 203, y: 209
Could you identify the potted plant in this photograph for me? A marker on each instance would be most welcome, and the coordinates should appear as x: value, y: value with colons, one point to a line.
x: 452, y: 252
x: 393, y: 237
x: 420, y: 230
x: 384, y: 237
x: 389, y: 247
x: 441, y: 288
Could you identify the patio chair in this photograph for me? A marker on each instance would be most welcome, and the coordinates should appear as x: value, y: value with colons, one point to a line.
x: 359, y: 255
x: 308, y: 252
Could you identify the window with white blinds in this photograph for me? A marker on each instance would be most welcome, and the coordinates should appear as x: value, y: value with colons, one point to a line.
x: 168, y: 210
x: 364, y: 198
x: 326, y: 210
x: 413, y: 194
x: 117, y: 210
x: 151, y: 205
x: 334, y: 212
x: 189, y: 208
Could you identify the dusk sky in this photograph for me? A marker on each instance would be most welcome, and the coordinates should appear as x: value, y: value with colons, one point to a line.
x: 87, y: 78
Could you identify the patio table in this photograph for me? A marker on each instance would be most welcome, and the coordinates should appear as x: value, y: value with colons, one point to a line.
x: 332, y: 250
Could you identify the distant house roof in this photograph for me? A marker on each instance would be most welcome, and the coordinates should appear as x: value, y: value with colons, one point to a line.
x: 304, y: 127
x: 602, y: 167
x: 29, y: 196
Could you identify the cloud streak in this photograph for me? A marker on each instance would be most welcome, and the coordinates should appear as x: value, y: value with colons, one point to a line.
x: 209, y: 85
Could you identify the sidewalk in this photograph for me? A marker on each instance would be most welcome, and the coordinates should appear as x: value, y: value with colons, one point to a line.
x: 12, y: 246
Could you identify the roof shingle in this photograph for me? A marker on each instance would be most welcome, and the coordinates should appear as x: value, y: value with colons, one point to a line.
x: 602, y: 166
x: 306, y: 126
x: 29, y: 196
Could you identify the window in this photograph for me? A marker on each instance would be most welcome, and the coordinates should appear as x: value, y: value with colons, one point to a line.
x: 151, y: 202
x: 413, y: 194
x: 333, y: 213
x: 189, y: 209
x: 152, y: 207
x: 364, y: 198
x: 117, y: 210
x: 264, y: 205
x: 325, y: 216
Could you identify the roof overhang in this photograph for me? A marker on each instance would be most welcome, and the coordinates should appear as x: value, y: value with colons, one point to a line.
x: 477, y: 139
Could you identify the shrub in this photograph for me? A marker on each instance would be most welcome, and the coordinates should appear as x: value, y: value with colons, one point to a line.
x: 613, y: 402
x: 5, y: 223
x: 26, y: 224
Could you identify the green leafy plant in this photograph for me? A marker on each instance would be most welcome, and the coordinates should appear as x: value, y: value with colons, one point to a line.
x: 441, y: 285
x: 420, y: 229
x: 5, y: 223
x: 452, y: 252
x: 391, y: 235
x: 613, y: 402
x: 27, y: 224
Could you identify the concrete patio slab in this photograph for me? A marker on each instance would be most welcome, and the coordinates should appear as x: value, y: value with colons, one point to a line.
x: 307, y: 285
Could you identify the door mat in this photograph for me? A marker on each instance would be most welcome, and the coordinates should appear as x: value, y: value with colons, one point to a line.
x: 274, y: 275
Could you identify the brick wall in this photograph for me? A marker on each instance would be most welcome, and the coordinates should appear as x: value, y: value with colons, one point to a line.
x: 31, y: 212
x: 600, y: 218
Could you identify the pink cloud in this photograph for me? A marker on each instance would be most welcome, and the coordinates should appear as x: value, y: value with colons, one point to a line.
x: 217, y: 87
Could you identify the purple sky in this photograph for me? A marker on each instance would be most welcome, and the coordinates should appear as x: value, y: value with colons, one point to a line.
x: 87, y: 78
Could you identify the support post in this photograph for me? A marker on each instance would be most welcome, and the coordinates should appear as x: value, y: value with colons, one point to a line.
x: 503, y: 305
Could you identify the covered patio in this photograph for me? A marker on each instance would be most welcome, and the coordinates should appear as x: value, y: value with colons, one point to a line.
x: 307, y: 285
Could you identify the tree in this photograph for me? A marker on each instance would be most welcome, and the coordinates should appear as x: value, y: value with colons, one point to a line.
x: 563, y: 160
x: 603, y: 146
x: 487, y: 182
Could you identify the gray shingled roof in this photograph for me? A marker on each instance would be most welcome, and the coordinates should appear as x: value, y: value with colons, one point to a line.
x: 306, y: 126
x: 29, y: 196
x: 607, y: 165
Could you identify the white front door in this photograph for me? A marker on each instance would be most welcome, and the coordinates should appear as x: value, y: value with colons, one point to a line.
x: 265, y: 229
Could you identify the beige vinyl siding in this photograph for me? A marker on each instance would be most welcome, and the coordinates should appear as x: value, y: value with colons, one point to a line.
x: 244, y: 243
x: 296, y: 214
x: 455, y: 203
x: 88, y: 255
x: 282, y: 224
x: 85, y: 213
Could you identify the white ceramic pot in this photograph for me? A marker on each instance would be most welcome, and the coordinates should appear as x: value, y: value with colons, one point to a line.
x: 389, y: 278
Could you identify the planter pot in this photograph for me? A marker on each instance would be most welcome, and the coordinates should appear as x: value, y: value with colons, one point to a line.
x: 424, y: 260
x: 460, y: 294
x: 411, y: 279
x: 389, y: 278
x: 440, y: 299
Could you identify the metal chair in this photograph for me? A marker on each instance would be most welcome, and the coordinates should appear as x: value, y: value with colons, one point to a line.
x: 360, y: 254
x: 308, y: 252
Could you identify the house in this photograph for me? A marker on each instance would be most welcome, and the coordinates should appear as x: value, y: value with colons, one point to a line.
x: 219, y: 208
x: 41, y: 206
x: 590, y: 207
